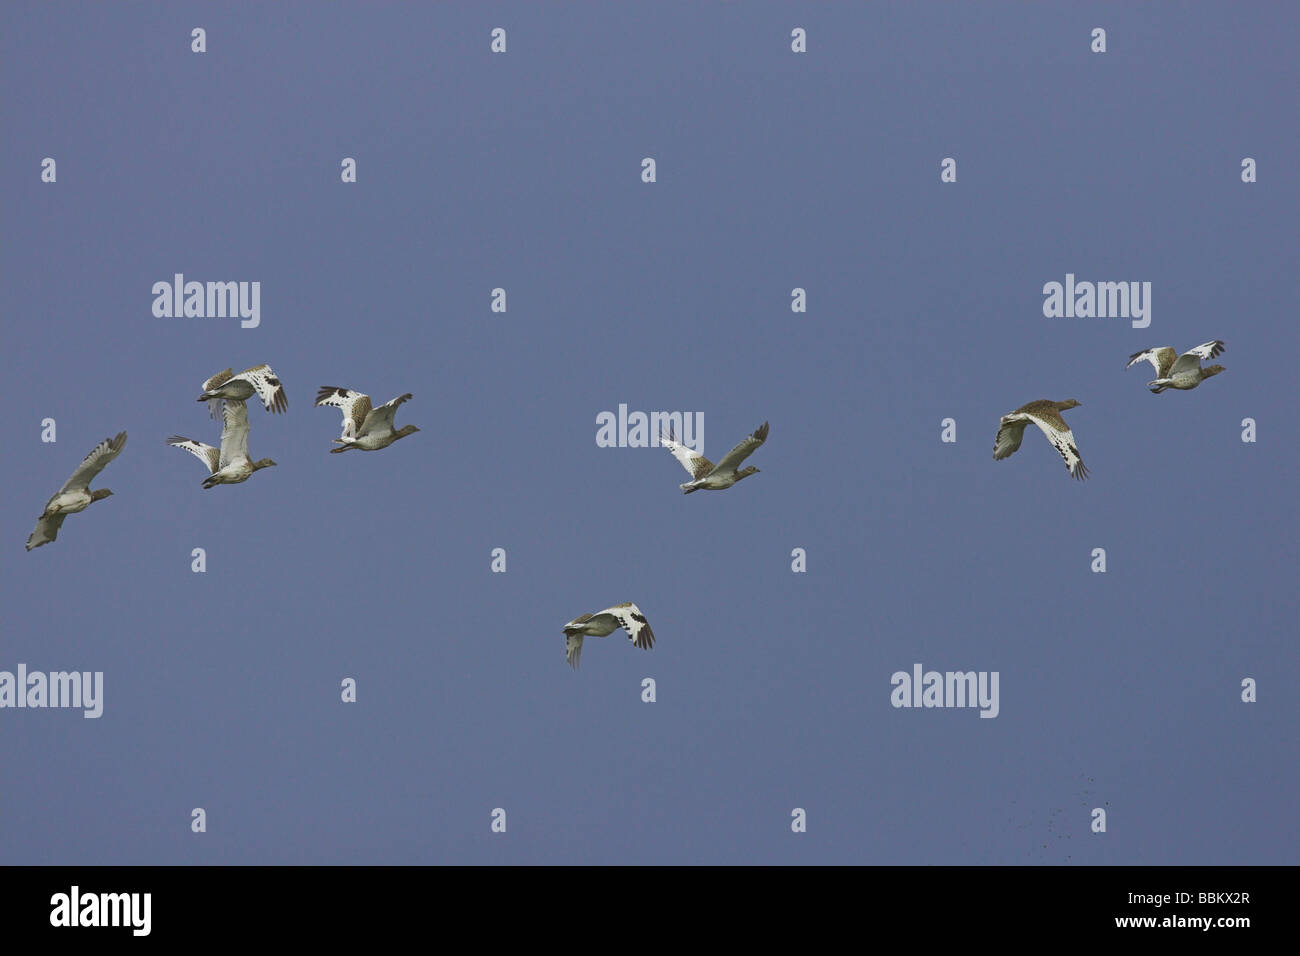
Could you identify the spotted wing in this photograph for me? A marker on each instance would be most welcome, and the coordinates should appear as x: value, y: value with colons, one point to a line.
x: 1160, y: 359
x: 1062, y: 440
x: 267, y: 386
x: 354, y: 405
x: 631, y: 619
x: 1208, y: 350
x: 696, y: 465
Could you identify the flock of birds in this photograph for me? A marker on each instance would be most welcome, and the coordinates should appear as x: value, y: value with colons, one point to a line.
x: 1172, y: 371
x: 364, y: 427
x: 371, y: 428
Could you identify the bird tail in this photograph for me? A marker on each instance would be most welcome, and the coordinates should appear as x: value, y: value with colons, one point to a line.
x: 1157, y: 387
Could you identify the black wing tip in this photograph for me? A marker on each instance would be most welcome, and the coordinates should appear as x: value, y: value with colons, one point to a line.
x: 645, y: 639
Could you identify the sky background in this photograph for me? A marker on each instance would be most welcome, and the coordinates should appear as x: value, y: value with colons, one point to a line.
x: 775, y: 170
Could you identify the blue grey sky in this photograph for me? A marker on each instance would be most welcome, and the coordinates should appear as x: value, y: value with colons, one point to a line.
x: 775, y: 170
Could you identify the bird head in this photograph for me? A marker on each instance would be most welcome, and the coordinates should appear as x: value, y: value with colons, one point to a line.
x: 99, y: 493
x: 1212, y: 370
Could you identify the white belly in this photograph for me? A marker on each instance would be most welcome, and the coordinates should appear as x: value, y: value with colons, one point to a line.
x: 70, y: 502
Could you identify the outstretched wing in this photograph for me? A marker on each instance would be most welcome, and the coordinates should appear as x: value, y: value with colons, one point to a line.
x: 696, y: 465
x: 1191, y: 359
x: 1062, y: 439
x: 47, y: 529
x: 631, y: 619
x: 1160, y: 358
x: 234, y: 433
x: 1009, y: 437
x: 211, y: 457
x: 381, y: 418
x: 268, y: 387
x: 354, y: 405
x: 731, y: 461
x: 94, y: 463
x: 1208, y: 350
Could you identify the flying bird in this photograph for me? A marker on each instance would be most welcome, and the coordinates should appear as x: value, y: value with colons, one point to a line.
x: 75, y: 495
x: 1179, y: 371
x: 364, y: 427
x: 229, y: 464
x: 627, y: 616
x: 704, y: 473
x: 259, y: 380
x: 1047, y: 416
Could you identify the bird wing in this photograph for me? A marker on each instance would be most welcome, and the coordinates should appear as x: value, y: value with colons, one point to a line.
x: 731, y: 461
x: 696, y: 465
x: 1062, y: 439
x: 47, y: 529
x: 1208, y: 350
x: 572, y: 649
x: 354, y: 405
x: 1191, y: 359
x: 210, y: 456
x: 234, y: 433
x: 381, y: 418
x: 94, y: 463
x: 631, y: 619
x: 221, y: 378
x: 1009, y: 437
x: 268, y: 387
x: 214, y: 406
x: 1160, y: 358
